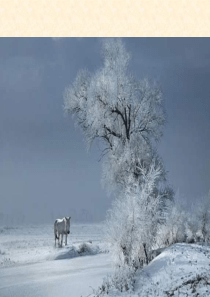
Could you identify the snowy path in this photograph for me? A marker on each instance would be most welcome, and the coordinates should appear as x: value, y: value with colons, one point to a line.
x: 69, y: 277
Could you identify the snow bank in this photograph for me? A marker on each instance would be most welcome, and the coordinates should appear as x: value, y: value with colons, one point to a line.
x: 179, y: 270
x: 84, y: 249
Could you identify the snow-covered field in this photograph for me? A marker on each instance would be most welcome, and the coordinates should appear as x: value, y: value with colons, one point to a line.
x: 30, y: 264
x: 31, y: 244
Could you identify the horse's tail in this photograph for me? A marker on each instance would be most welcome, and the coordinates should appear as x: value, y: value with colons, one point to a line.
x: 55, y: 230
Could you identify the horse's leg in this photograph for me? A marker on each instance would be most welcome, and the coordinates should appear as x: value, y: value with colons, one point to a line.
x: 55, y: 238
x: 66, y: 240
x: 62, y: 239
x: 55, y: 232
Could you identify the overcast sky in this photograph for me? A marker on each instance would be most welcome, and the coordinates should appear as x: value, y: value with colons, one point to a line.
x: 45, y: 170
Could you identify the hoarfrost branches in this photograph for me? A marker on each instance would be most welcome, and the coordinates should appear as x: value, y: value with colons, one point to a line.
x: 126, y: 114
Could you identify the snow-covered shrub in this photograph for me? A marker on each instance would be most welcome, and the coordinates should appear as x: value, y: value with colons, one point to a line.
x: 84, y: 248
x: 198, y: 221
x: 191, y: 228
x: 203, y: 216
x: 2, y: 252
x: 134, y: 219
x: 192, y: 225
x: 174, y: 228
x: 123, y: 280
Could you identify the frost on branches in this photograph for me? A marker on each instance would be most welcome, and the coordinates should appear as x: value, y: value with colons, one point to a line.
x: 190, y: 225
x: 127, y: 116
x: 133, y: 221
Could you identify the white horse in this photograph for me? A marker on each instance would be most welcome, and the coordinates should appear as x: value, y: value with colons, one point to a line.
x: 61, y: 227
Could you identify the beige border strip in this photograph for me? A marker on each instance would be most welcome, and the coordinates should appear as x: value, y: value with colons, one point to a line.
x: 104, y: 18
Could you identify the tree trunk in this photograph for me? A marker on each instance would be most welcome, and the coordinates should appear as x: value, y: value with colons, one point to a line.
x: 145, y: 251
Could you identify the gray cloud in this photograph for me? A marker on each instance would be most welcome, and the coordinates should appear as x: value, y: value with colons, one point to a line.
x: 21, y: 73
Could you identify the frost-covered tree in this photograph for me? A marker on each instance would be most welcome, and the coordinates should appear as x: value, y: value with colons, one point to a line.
x: 127, y: 115
x: 203, y: 217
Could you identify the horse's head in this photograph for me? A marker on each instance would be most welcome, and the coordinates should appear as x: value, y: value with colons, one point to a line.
x: 68, y: 224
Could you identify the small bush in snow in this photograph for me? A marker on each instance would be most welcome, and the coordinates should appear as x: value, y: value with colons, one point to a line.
x: 174, y: 228
x: 134, y: 219
x: 198, y: 221
x: 123, y: 280
x: 84, y: 248
x: 186, y: 226
x: 2, y: 252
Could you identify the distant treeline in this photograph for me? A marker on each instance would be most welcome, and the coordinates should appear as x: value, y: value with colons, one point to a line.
x: 12, y: 219
x: 78, y: 215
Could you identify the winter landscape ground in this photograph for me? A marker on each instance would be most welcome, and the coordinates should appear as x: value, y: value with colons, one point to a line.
x: 30, y: 265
